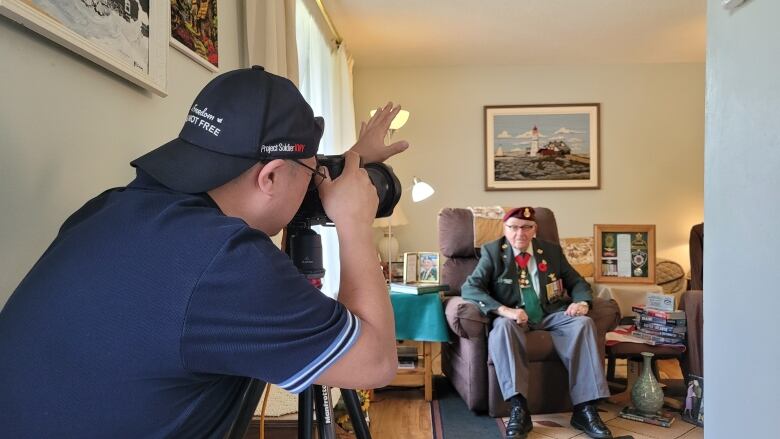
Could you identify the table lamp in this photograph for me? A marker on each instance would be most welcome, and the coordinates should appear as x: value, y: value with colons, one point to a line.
x: 388, y: 245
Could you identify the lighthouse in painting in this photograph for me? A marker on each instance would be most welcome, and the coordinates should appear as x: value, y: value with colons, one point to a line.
x: 534, y: 142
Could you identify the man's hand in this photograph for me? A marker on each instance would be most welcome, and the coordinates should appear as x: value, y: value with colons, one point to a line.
x: 517, y: 314
x: 577, y: 309
x: 371, y: 140
x: 350, y: 197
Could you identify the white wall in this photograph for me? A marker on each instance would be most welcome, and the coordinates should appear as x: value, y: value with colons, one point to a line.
x: 741, y: 159
x: 652, y: 140
x: 69, y: 128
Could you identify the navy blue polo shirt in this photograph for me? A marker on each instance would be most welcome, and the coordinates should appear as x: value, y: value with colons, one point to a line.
x: 147, y: 313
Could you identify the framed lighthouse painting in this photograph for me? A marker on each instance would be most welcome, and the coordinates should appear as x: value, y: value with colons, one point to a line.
x: 542, y: 147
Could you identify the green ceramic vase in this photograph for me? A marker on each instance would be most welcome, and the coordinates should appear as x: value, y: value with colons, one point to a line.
x: 647, y: 395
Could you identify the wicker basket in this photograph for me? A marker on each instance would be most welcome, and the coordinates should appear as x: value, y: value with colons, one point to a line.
x: 670, y: 276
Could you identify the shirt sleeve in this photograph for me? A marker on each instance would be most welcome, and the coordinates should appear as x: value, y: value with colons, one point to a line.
x: 253, y: 314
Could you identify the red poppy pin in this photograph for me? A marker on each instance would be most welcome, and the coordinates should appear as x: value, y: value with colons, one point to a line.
x: 543, y: 266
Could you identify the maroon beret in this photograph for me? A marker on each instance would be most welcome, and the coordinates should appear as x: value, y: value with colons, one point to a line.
x: 524, y: 213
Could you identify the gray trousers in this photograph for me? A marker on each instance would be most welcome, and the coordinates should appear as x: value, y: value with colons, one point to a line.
x: 574, y: 339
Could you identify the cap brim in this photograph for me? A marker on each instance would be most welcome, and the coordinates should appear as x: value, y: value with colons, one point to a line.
x: 184, y: 167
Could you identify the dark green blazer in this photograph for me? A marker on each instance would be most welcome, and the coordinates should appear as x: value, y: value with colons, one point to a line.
x: 494, y: 281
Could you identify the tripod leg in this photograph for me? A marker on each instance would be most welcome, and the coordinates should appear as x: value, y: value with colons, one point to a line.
x: 305, y: 413
x: 322, y: 403
x: 352, y: 402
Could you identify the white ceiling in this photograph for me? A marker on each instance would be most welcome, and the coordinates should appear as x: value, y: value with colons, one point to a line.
x: 387, y: 33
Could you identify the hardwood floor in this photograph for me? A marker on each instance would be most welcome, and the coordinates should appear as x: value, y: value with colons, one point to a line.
x: 400, y: 413
x: 403, y: 413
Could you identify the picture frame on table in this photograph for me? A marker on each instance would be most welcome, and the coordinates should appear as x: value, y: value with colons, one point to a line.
x: 194, y: 31
x: 693, y: 408
x: 548, y: 146
x: 128, y: 41
x: 624, y: 253
x: 421, y: 267
x: 428, y: 270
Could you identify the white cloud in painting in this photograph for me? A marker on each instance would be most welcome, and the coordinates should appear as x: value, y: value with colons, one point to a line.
x: 564, y: 130
x: 504, y: 135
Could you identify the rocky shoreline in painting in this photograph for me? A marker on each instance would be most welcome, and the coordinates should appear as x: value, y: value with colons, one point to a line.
x: 566, y: 167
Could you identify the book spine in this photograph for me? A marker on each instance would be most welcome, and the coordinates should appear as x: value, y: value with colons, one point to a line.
x: 676, y: 315
x: 670, y: 336
x: 681, y: 330
x: 655, y: 338
x: 662, y: 321
x: 645, y: 420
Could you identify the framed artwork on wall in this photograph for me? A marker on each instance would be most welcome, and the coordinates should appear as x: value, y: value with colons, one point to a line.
x: 129, y: 38
x: 624, y: 253
x: 194, y: 31
x: 542, y: 147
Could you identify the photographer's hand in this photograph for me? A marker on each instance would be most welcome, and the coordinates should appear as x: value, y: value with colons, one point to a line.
x: 351, y: 198
x: 371, y: 140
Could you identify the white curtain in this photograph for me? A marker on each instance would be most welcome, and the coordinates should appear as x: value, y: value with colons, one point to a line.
x: 325, y: 80
x: 270, y: 36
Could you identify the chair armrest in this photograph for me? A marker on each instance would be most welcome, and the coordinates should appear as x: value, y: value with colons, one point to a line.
x: 605, y: 314
x: 465, y: 319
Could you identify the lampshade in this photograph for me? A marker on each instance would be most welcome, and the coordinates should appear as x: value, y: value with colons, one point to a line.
x: 398, y: 218
x: 421, y: 190
x: 398, y: 121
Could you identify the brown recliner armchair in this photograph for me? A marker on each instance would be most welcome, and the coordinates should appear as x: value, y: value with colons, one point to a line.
x: 465, y: 360
x: 692, y: 301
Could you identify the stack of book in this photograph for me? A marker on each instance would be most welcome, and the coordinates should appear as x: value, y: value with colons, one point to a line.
x: 659, y: 326
x: 661, y: 419
x: 417, y: 288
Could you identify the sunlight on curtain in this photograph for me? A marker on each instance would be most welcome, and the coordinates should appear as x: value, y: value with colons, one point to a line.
x: 325, y: 80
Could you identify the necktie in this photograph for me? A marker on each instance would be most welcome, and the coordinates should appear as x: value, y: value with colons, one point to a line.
x: 530, y: 300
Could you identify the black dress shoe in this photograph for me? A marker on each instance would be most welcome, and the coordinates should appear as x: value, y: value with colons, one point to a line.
x: 519, y: 423
x: 587, y: 419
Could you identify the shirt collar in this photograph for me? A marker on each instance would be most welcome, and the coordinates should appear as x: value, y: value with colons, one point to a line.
x: 529, y: 250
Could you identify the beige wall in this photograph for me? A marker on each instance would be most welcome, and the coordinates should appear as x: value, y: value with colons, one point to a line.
x: 69, y: 128
x: 652, y: 136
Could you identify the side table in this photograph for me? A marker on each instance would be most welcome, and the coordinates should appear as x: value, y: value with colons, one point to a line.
x: 419, y: 318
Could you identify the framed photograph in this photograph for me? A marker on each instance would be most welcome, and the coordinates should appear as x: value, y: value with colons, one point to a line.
x: 129, y: 38
x: 428, y: 270
x: 624, y: 253
x: 693, y: 410
x: 194, y: 31
x: 542, y: 147
x: 410, y: 267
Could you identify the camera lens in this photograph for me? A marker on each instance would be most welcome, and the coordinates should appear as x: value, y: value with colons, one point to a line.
x: 388, y: 189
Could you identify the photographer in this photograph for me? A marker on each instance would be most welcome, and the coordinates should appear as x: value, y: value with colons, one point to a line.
x: 156, y: 300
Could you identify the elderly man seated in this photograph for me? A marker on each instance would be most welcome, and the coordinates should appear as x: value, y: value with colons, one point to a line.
x: 527, y: 284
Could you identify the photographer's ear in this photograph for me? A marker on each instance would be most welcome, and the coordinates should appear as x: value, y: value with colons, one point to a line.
x: 268, y: 176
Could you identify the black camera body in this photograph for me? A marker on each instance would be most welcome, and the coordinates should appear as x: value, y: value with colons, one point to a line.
x: 388, y: 189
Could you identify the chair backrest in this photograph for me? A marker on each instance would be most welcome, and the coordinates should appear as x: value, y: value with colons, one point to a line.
x: 456, y: 242
x: 696, y: 249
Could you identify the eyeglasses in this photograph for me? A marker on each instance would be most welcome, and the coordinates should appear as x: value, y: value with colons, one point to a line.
x: 524, y: 228
x: 315, y: 172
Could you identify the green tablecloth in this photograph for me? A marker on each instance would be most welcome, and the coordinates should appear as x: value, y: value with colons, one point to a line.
x: 419, y: 318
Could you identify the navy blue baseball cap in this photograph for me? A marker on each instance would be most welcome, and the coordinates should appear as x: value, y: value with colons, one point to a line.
x: 240, y: 117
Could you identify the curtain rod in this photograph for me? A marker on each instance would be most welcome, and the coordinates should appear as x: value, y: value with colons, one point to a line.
x: 325, y: 15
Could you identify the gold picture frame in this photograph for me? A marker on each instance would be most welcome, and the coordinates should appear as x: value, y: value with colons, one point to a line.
x: 422, y: 267
x: 624, y: 253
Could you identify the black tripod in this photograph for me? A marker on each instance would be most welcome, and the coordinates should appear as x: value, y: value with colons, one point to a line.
x: 304, y: 247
